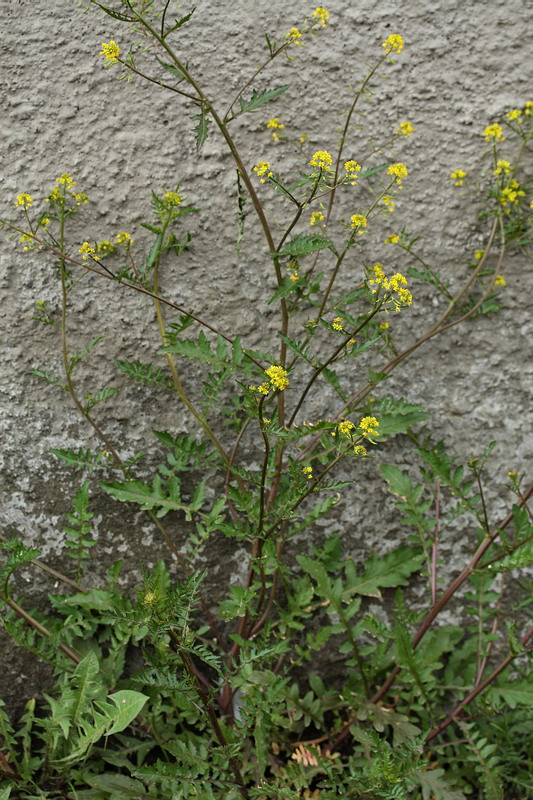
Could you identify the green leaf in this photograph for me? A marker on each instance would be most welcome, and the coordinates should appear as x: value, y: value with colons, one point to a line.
x: 286, y: 288
x: 179, y: 23
x: 148, y: 498
x: 435, y: 787
x: 518, y: 693
x: 373, y: 171
x: 201, y: 128
x: 119, y: 786
x: 128, y: 704
x: 390, y: 569
x: 83, y: 459
x: 115, y: 14
x: 259, y: 99
x: 172, y: 69
x: 305, y: 243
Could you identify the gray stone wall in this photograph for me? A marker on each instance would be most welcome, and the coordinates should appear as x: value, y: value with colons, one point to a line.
x: 464, y: 63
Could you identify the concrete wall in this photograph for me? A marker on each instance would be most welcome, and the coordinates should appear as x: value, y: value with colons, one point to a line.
x: 464, y: 64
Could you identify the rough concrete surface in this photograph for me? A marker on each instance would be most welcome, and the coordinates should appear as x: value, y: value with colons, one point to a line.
x: 464, y: 64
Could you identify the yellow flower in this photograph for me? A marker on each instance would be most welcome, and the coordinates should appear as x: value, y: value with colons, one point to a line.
x: 80, y: 198
x: 87, y: 250
x: 66, y: 180
x: 513, y: 115
x: 368, y: 426
x: 321, y: 159
x: 173, y: 198
x: 45, y: 222
x: 384, y: 326
x: 388, y: 202
x: 278, y: 377
x: 458, y: 177
x: 405, y: 129
x: 124, y: 238
x: 308, y: 472
x: 394, y: 43
x: 345, y: 427
x: 263, y: 388
x: 294, y: 36
x: 105, y: 247
x: 337, y: 324
x: 316, y: 216
x: 500, y: 281
x: 359, y: 450
x: 25, y: 200
x: 478, y: 255
x: 304, y: 137
x: 275, y: 123
x: 26, y: 237
x: 495, y: 132
x: 263, y: 169
x: 321, y: 15
x: 512, y: 193
x: 399, y: 170
x: 528, y: 109
x: 352, y: 168
x: 111, y: 51
x: 502, y: 167
x: 358, y: 221
x: 392, y: 238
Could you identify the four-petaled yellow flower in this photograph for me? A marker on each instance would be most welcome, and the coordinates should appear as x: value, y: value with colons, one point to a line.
x: 316, y: 216
x: 494, y: 132
x: 172, y: 198
x: 399, y: 170
x: 294, y: 36
x: 124, y: 238
x: 500, y: 281
x: 458, y: 176
x: 308, y: 472
x: 24, y: 199
x: 405, y: 129
x: 321, y: 159
x: 358, y: 222
x: 394, y: 43
x: 278, y: 377
x: 368, y: 426
x: 337, y: 324
x: 321, y: 15
x: 263, y: 169
x: 352, y: 168
x: 111, y: 51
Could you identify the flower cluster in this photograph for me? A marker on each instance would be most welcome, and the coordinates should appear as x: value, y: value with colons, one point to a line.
x: 399, y: 171
x: 405, y: 129
x: 111, y: 51
x: 514, y: 115
x: 392, y: 238
x: 294, y: 36
x: 293, y: 268
x: 359, y: 450
x: 173, y: 198
x: 458, y: 177
x: 396, y: 284
x: 337, y: 324
x: 352, y: 168
x: 321, y: 15
x: 124, y: 238
x: 24, y: 199
x: 275, y: 125
x: 358, y: 222
x: 345, y: 427
x: 528, y: 109
x: 368, y: 426
x: 87, y: 251
x: 394, y: 43
x: 494, y: 133
x: 321, y: 159
x: 278, y: 377
x: 105, y: 247
x: 316, y: 216
x: 512, y: 193
x: 57, y: 195
x: 502, y: 167
x: 263, y: 171
x: 308, y: 472
x: 388, y: 202
x: 500, y: 281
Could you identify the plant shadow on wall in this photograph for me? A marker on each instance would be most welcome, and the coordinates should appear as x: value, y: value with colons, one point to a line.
x: 228, y: 702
